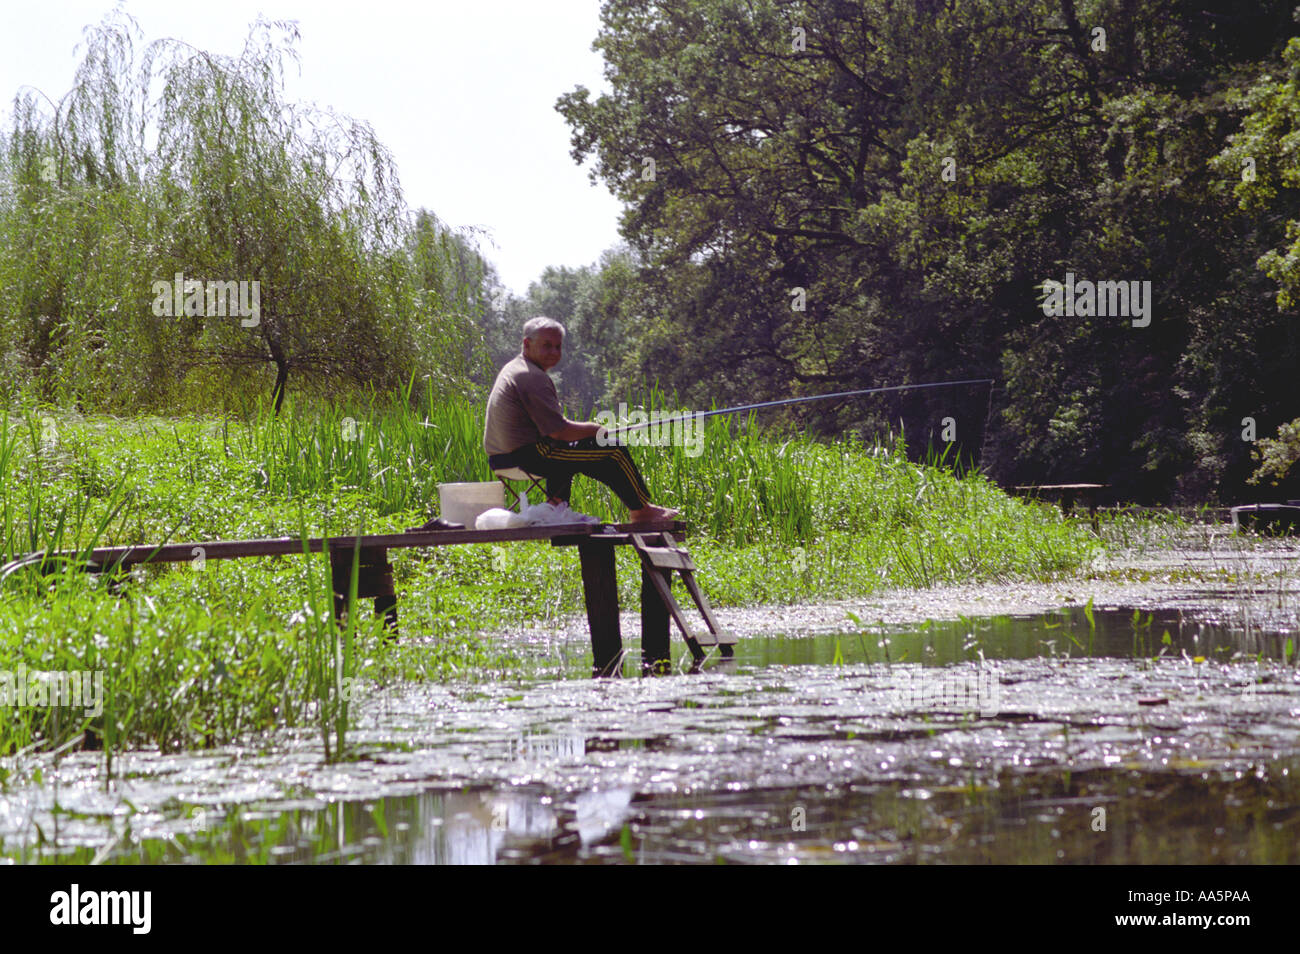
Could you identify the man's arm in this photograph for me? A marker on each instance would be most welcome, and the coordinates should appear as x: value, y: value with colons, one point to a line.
x: 542, y: 404
x: 576, y: 431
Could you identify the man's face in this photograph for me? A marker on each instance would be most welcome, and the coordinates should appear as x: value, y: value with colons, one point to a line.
x: 544, y: 347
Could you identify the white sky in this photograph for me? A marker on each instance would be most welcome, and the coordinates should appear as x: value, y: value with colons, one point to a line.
x: 461, y: 91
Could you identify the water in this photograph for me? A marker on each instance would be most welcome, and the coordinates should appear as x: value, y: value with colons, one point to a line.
x: 1170, y: 734
x: 1065, y: 633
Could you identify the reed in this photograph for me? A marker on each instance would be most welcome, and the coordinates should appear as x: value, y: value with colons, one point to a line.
x: 204, y: 653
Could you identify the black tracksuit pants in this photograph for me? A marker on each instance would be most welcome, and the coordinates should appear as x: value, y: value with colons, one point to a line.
x: 558, y: 462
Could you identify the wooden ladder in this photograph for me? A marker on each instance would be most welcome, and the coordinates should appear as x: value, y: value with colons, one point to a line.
x: 660, y: 557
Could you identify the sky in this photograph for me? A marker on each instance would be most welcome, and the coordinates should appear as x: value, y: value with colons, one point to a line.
x: 462, y: 92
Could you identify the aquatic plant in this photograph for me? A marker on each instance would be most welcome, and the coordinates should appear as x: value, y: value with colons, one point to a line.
x: 204, y: 652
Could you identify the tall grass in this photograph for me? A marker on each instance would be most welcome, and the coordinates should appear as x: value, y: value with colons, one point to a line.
x: 192, y: 654
x: 748, y: 486
x: 207, y: 652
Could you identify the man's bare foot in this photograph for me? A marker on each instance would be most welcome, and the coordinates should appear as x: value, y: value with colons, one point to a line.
x: 651, y: 513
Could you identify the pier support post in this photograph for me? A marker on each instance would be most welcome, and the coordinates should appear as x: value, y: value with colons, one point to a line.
x: 656, y: 655
x: 600, y: 589
x: 374, y: 581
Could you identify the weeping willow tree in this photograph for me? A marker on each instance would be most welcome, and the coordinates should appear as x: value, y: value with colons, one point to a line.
x: 173, y: 230
x: 72, y: 250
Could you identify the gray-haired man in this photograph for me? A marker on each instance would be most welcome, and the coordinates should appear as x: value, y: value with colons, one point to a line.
x: 525, y: 428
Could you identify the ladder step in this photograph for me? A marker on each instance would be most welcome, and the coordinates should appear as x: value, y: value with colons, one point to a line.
x: 668, y: 559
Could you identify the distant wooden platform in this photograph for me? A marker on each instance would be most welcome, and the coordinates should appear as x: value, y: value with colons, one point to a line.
x: 1267, y: 518
x: 1068, y: 493
x: 595, y: 543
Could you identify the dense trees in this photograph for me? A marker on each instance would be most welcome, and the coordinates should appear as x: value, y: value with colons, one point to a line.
x: 819, y: 195
x: 836, y: 194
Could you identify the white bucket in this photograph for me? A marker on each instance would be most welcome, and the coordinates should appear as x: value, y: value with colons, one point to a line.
x: 462, y: 503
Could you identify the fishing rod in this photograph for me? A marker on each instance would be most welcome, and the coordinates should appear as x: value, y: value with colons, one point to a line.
x: 798, y: 400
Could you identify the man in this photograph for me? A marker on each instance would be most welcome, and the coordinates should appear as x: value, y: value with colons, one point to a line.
x: 525, y: 428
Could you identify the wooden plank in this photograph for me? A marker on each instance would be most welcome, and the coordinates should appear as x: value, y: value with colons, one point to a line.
x: 653, y: 526
x: 340, y: 581
x: 374, y: 581
x: 1060, y: 486
x: 600, y: 590
x: 667, y: 559
x: 595, y: 543
x: 622, y: 533
x: 440, y: 538
x: 660, y: 582
x: 289, y: 546
x: 670, y: 542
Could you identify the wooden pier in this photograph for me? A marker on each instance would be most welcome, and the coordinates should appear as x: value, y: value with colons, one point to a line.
x: 1068, y: 493
x: 655, y: 543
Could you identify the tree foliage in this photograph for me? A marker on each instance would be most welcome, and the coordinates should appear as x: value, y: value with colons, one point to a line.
x: 173, y: 165
x: 833, y: 194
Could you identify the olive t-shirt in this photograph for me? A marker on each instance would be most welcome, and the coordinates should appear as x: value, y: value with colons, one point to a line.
x: 522, y: 408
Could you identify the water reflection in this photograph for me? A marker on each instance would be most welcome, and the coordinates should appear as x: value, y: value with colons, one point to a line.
x: 1067, y: 633
x: 1090, y: 817
x: 985, y: 740
x: 456, y: 828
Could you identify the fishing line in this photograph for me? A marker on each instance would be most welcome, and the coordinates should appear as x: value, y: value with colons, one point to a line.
x: 799, y: 400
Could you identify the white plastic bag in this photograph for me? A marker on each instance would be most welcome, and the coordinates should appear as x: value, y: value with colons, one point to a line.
x: 550, y: 515
x: 534, y: 515
x: 498, y: 518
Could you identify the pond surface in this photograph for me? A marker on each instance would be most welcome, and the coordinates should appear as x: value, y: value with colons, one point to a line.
x: 1165, y: 733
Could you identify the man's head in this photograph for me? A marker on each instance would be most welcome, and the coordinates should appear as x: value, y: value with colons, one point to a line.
x: 543, y: 341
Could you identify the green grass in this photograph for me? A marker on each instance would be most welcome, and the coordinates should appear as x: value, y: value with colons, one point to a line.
x: 205, y: 652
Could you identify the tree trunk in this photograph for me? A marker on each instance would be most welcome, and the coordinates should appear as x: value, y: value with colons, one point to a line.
x: 281, y: 372
x: 281, y: 375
